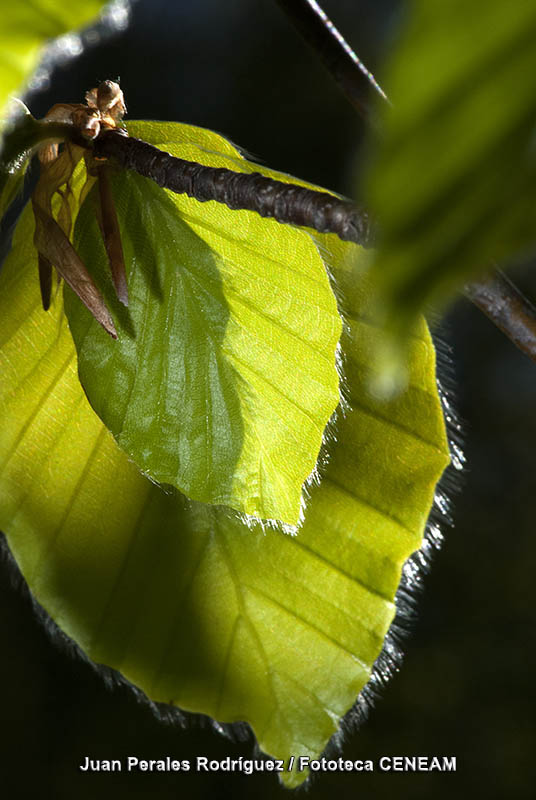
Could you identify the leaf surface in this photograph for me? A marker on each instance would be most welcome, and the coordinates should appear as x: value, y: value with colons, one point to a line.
x: 224, y: 376
x: 185, y: 600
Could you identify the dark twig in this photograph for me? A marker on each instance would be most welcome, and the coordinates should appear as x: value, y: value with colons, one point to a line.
x: 285, y: 202
x: 344, y: 65
x: 497, y: 297
x: 507, y: 308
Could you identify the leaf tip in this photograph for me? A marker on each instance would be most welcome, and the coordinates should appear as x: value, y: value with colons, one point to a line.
x: 122, y: 293
x: 110, y: 328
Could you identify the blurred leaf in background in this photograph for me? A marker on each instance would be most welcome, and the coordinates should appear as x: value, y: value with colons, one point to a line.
x: 26, y: 26
x: 453, y: 180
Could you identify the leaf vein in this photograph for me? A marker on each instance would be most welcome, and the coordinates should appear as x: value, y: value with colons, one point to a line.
x: 368, y: 503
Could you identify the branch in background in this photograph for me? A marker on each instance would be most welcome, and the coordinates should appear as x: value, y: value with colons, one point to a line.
x: 497, y: 297
x: 349, y: 72
x: 286, y: 202
x: 507, y: 308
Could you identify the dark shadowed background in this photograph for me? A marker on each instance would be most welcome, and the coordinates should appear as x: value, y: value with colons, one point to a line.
x: 465, y: 686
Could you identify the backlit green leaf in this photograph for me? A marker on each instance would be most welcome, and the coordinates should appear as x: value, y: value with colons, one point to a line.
x: 224, y: 376
x: 453, y: 183
x: 187, y: 602
x: 25, y: 27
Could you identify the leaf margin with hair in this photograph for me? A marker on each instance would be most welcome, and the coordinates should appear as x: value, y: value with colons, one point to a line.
x: 99, y: 548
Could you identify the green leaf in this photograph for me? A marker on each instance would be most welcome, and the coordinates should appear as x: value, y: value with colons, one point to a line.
x: 25, y: 27
x: 184, y: 599
x: 224, y: 376
x: 453, y: 183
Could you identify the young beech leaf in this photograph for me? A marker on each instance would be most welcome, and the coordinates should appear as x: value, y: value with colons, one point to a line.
x: 189, y: 603
x: 224, y: 377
